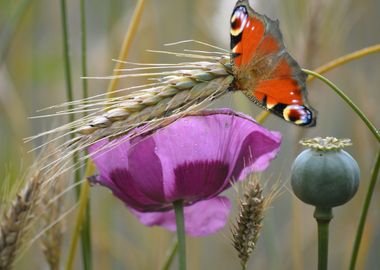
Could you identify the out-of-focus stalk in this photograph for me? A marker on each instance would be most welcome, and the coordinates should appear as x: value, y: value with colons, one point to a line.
x: 83, y: 214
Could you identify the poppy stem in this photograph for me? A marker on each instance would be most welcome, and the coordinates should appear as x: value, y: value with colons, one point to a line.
x: 323, y: 217
x: 350, y: 103
x: 363, y: 216
x: 180, y: 221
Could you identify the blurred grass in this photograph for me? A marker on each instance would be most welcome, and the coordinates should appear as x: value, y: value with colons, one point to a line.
x: 31, y: 78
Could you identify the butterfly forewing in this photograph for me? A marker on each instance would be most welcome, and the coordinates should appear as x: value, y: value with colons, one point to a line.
x: 263, y: 70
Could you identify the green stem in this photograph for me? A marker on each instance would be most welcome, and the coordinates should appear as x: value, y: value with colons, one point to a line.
x: 323, y: 217
x: 84, y: 216
x: 356, y: 109
x: 86, y: 229
x: 84, y: 47
x: 170, y: 257
x: 66, y: 57
x: 85, y: 222
x: 83, y: 199
x: 180, y: 221
x: 363, y: 217
x: 86, y: 238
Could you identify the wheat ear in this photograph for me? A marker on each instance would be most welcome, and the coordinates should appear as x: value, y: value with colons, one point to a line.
x: 183, y: 90
x: 16, y: 220
x: 51, y: 240
x: 249, y: 222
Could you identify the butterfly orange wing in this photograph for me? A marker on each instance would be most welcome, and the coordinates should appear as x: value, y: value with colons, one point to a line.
x: 265, y: 71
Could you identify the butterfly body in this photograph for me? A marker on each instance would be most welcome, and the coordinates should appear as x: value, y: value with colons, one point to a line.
x: 263, y: 69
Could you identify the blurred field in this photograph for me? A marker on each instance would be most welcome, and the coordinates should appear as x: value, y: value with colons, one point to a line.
x: 315, y: 32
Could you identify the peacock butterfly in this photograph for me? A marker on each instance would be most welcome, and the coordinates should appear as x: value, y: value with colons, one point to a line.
x: 263, y: 69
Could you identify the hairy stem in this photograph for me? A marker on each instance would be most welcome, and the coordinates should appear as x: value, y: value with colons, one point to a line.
x: 353, y: 106
x: 323, y: 217
x: 363, y: 217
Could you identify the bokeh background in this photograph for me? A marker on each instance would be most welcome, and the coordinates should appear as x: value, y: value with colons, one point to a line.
x: 315, y: 32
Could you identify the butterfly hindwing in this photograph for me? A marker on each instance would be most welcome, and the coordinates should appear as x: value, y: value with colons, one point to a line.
x: 263, y: 70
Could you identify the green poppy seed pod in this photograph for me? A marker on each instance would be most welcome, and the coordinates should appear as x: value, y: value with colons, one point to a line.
x: 325, y: 175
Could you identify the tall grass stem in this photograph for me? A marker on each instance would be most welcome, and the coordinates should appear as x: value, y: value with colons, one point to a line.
x: 128, y: 38
x: 66, y: 57
x: 85, y: 233
x: 169, y: 259
x: 81, y: 215
x: 84, y: 215
x: 86, y: 229
x: 83, y: 27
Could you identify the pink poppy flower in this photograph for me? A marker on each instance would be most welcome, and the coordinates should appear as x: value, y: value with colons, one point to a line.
x: 193, y: 159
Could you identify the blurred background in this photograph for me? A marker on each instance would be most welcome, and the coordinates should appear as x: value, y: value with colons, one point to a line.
x: 315, y: 32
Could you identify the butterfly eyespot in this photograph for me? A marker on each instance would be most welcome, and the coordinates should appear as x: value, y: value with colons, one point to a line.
x: 235, y: 23
x: 298, y: 114
x: 238, y: 20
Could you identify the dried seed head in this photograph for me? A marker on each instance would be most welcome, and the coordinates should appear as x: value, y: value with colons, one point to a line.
x: 326, y: 144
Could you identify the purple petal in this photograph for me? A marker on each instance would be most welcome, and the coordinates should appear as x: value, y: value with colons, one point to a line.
x: 192, y: 159
x: 219, y: 137
x: 133, y: 173
x: 199, y: 179
x: 201, y: 219
x: 256, y: 153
